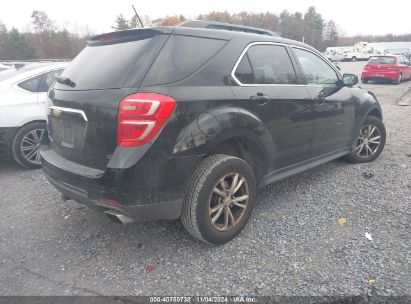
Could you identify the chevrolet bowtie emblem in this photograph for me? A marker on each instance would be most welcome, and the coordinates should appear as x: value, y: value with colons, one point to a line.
x: 56, y: 112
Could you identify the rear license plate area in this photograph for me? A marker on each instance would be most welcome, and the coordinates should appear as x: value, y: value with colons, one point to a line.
x: 67, y: 134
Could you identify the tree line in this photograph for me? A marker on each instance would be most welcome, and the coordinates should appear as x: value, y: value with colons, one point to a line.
x: 48, y: 41
x: 45, y: 42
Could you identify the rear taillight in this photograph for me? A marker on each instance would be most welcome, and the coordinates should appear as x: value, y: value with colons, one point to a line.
x: 141, y: 116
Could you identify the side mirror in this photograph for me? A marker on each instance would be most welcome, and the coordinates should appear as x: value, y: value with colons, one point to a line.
x: 349, y: 80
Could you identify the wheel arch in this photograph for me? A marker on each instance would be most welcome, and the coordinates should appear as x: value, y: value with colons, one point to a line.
x: 26, y: 124
x: 374, y: 112
x: 242, y: 147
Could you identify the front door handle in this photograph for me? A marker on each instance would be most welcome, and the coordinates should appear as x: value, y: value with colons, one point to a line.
x: 260, y: 98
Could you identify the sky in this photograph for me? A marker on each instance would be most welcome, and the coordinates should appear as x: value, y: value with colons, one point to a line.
x: 352, y: 16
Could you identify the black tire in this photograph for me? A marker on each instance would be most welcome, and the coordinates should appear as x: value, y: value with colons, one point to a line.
x: 354, y: 59
x: 364, y: 80
x: 196, y: 217
x: 399, y: 79
x: 21, y: 141
x: 354, y: 156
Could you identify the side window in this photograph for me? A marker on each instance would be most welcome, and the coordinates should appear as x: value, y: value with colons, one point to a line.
x: 244, y: 71
x: 31, y: 84
x: 315, y: 70
x: 180, y: 57
x: 266, y: 64
x: 48, y: 79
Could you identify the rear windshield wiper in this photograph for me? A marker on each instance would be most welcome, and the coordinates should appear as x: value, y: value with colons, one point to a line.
x: 66, y: 81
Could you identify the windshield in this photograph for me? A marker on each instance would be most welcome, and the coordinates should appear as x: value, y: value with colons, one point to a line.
x: 383, y: 60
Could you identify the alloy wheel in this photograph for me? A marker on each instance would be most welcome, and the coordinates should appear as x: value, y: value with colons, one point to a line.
x: 368, y: 142
x: 229, y: 201
x: 30, y: 145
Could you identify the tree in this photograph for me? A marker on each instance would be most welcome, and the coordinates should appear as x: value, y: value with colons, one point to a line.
x: 121, y: 23
x: 41, y: 22
x: 167, y: 21
x: 285, y: 24
x: 313, y: 28
x: 4, y: 50
x: 18, y: 46
x: 330, y: 34
x: 225, y: 17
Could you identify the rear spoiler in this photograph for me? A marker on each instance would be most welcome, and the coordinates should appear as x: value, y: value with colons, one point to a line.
x: 128, y: 35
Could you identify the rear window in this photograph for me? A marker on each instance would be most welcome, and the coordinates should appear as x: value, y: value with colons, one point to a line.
x: 103, y: 66
x: 383, y: 60
x: 31, y: 84
x: 180, y: 57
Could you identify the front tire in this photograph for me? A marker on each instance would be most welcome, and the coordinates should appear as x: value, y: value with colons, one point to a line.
x: 369, y: 143
x: 219, y: 199
x: 26, y: 143
x: 364, y: 80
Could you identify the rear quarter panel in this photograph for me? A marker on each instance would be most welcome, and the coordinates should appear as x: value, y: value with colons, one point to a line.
x: 18, y: 109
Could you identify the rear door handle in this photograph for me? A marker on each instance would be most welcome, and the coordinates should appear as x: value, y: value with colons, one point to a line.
x: 260, y: 98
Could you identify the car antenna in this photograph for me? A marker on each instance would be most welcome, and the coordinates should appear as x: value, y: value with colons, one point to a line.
x: 139, y: 19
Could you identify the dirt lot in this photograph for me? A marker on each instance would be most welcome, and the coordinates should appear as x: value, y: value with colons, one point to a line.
x: 293, y: 244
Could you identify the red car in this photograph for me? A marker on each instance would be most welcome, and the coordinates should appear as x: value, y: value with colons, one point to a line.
x: 387, y: 67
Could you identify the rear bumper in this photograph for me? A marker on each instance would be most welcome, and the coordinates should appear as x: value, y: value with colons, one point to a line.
x: 156, y: 211
x: 152, y: 189
x: 390, y: 75
x: 6, y: 136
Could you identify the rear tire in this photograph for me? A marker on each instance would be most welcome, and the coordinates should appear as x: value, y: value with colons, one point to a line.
x: 218, y: 205
x: 354, y: 59
x: 26, y: 143
x: 369, y: 142
x: 399, y: 79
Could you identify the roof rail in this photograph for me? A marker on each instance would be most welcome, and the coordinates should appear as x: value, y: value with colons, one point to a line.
x: 227, y: 27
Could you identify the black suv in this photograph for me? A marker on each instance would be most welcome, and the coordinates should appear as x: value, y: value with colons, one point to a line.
x: 180, y: 122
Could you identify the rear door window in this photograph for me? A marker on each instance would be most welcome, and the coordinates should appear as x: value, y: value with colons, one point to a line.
x: 180, y: 57
x: 266, y: 64
x: 103, y: 66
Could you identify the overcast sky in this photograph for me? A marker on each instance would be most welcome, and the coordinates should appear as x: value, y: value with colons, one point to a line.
x: 353, y: 16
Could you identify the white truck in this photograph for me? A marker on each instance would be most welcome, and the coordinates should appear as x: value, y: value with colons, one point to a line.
x: 336, y: 53
x: 360, y: 51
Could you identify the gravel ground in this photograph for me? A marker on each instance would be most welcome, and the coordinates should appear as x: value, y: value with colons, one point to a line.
x: 293, y: 244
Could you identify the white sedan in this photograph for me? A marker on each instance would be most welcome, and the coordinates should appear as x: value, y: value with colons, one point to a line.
x: 22, y: 110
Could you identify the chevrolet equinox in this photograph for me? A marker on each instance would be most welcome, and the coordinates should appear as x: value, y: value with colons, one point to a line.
x: 187, y: 122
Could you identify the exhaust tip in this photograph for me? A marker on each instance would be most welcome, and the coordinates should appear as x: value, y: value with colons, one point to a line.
x: 118, y: 217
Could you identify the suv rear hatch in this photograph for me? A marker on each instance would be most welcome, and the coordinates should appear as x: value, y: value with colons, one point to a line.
x: 83, y: 104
